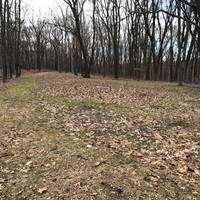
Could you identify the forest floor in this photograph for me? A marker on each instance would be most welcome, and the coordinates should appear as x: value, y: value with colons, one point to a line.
x: 64, y: 137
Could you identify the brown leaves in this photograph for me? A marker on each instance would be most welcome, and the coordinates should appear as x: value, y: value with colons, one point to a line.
x: 5, y: 154
x: 137, y: 135
x: 121, y: 92
x: 183, y: 169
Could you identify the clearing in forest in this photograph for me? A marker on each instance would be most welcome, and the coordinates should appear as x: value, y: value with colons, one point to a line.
x: 64, y: 137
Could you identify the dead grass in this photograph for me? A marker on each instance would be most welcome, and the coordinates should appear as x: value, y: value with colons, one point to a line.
x: 64, y: 137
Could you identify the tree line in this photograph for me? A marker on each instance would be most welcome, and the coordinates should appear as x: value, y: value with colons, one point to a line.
x: 139, y: 39
x: 10, y: 38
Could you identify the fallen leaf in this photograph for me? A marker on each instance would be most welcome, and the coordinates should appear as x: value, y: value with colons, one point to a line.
x: 89, y: 146
x: 29, y: 163
x: 183, y: 169
x: 2, y: 180
x: 158, y: 136
x: 180, y: 154
x: 97, y: 164
x: 1, y: 187
x: 197, y: 172
x: 42, y: 190
x: 25, y: 170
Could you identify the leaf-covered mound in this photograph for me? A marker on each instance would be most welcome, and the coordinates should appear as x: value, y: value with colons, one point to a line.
x: 64, y: 137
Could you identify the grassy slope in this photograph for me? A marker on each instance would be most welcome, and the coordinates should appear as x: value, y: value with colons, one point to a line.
x: 67, y: 138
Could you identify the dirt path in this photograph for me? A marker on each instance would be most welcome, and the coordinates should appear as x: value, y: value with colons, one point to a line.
x: 63, y: 137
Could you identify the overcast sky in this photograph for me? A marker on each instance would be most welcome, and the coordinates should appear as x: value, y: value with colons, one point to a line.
x: 41, y: 7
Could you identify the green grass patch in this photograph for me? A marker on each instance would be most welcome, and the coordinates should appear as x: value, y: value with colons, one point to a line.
x: 196, y: 154
x: 22, y: 90
x: 86, y: 104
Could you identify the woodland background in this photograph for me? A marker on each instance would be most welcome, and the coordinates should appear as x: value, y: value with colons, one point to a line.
x: 150, y: 40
